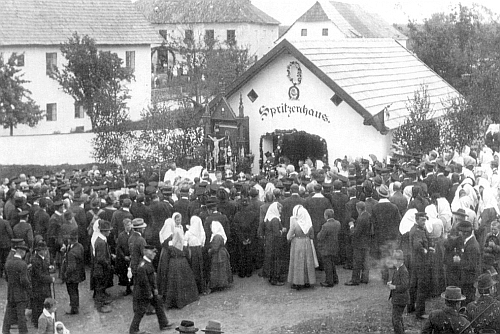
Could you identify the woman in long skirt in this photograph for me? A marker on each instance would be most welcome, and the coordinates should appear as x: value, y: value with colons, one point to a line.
x: 301, y: 272
x: 274, y: 247
x: 220, y: 270
x: 166, y: 234
x: 195, y: 238
x: 181, y: 285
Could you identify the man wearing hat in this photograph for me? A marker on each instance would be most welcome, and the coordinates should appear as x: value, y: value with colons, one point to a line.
x: 213, y: 327
x: 400, y: 296
x: 484, y: 313
x: 136, y: 243
x: 186, y: 326
x: 40, y: 280
x: 182, y: 206
x: 102, y: 270
x: 18, y: 286
x: 469, y: 260
x: 385, y: 219
x: 453, y: 250
x: 5, y: 242
x: 73, y: 270
x: 23, y: 230
x: 146, y: 292
x: 120, y: 215
x: 420, y: 270
x: 448, y: 320
x: 54, y: 239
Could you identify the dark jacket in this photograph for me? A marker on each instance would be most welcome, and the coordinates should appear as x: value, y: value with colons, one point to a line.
x: 117, y: 221
x: 40, y: 277
x: 316, y: 207
x: 41, y: 223
x: 446, y: 321
x: 74, y: 267
x: 401, y: 279
x: 328, y: 238
x: 18, y: 283
x: 339, y: 201
x: 386, y: 219
x: 287, y: 210
x: 5, y: 234
x: 361, y: 232
x: 400, y: 201
x: 23, y: 230
x: 419, y: 246
x: 144, y: 281
x: 469, y: 262
x: 136, y: 243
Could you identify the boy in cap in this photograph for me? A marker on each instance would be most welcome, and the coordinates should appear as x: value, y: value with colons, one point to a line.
x: 146, y: 293
x: 399, y: 286
x: 73, y: 270
x: 40, y: 280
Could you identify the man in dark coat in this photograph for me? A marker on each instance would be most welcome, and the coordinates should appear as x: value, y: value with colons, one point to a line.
x: 73, y: 271
x: 102, y: 270
x: 455, y: 183
x: 40, y: 280
x: 351, y: 215
x: 288, y: 205
x: 78, y: 208
x: 5, y: 244
x: 136, y: 243
x: 443, y: 183
x: 385, y: 219
x: 119, y: 215
x: 420, y: 271
x: 400, y: 296
x: 486, y: 309
x: 18, y: 286
x: 41, y: 219
x: 360, y: 232
x: 123, y: 256
x: 54, y: 239
x: 469, y: 261
x: 339, y: 201
x: 160, y: 211
x: 246, y: 223
x: 448, y: 320
x: 140, y: 210
x: 316, y: 206
x: 182, y: 206
x: 328, y: 247
x: 146, y: 292
x: 23, y: 230
x: 398, y: 198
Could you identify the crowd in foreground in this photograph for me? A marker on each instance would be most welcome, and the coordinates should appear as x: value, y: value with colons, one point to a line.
x: 428, y: 223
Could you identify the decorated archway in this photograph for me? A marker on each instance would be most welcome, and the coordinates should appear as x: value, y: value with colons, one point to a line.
x: 292, y: 146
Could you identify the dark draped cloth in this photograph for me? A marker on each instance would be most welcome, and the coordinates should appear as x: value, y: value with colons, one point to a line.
x: 275, y: 258
x: 197, y: 266
x: 181, y: 285
x: 220, y: 267
x: 162, y: 275
x: 436, y: 261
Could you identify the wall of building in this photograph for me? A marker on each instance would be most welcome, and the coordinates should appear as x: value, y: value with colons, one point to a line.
x: 74, y: 148
x: 258, y: 38
x: 341, y: 126
x: 46, y: 90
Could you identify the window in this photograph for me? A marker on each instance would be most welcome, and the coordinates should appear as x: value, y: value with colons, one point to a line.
x: 130, y: 59
x: 303, y: 32
x: 325, y: 32
x: 252, y: 95
x: 231, y: 37
x: 50, y: 62
x: 209, y: 37
x: 79, y: 110
x: 20, y: 60
x: 336, y: 99
x: 51, y: 112
x: 188, y: 36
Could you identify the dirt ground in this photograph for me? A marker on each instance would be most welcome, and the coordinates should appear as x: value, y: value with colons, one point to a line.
x: 251, y: 305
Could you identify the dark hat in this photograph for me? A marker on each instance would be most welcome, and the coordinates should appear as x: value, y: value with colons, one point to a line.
x: 41, y: 245
x: 377, y: 180
x: 132, y: 185
x: 440, y: 164
x: 383, y: 191
x: 464, y: 226
x: 200, y: 191
x: 149, y: 190
x: 461, y: 212
x: 485, y: 281
x: 185, y: 188
x: 104, y: 225
x: 420, y: 215
x: 21, y: 246
x: 57, y: 204
x: 186, y: 326
x: 167, y: 190
x: 151, y: 247
x: 16, y: 241
x: 253, y: 192
x: 138, y: 223
x: 453, y: 293
x: 211, y: 202
x: 23, y: 214
x: 398, y: 254
x: 213, y: 326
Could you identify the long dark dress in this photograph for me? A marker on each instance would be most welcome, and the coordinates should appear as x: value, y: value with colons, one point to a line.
x: 220, y: 269
x: 162, y: 276
x: 181, y: 285
x: 246, y: 223
x: 275, y: 251
x: 196, y: 263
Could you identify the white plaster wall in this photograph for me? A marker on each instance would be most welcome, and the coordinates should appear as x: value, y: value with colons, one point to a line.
x: 258, y: 38
x: 75, y: 148
x: 46, y: 90
x: 344, y: 131
x: 314, y: 31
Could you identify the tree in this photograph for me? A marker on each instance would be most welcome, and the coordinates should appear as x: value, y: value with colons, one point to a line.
x: 419, y: 133
x: 94, y: 78
x: 91, y: 77
x: 16, y: 104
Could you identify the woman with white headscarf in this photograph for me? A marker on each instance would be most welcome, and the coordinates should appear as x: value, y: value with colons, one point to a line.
x: 436, y: 231
x: 301, y: 272
x: 220, y: 268
x: 194, y: 239
x: 181, y: 285
x: 275, y: 245
x: 166, y: 234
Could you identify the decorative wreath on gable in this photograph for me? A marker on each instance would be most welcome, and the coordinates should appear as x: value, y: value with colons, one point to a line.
x: 298, y: 80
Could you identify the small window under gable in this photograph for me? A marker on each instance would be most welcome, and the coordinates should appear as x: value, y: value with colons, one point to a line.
x: 130, y: 59
x: 51, y: 112
x: 337, y: 100
x: 50, y: 62
x: 303, y: 32
x: 324, y: 32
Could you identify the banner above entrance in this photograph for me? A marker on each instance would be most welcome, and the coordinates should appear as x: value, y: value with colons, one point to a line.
x: 270, y: 112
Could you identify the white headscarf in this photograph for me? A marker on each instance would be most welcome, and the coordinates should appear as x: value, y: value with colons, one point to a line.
x: 301, y: 216
x: 407, y: 221
x: 487, y: 199
x: 167, y: 230
x: 218, y: 229
x: 59, y: 323
x: 272, y: 212
x: 96, y: 234
x: 195, y: 236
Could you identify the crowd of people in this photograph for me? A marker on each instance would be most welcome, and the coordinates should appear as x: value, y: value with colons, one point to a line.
x: 427, y: 222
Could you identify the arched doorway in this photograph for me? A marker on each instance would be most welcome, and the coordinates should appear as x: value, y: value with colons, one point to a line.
x: 293, y: 145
